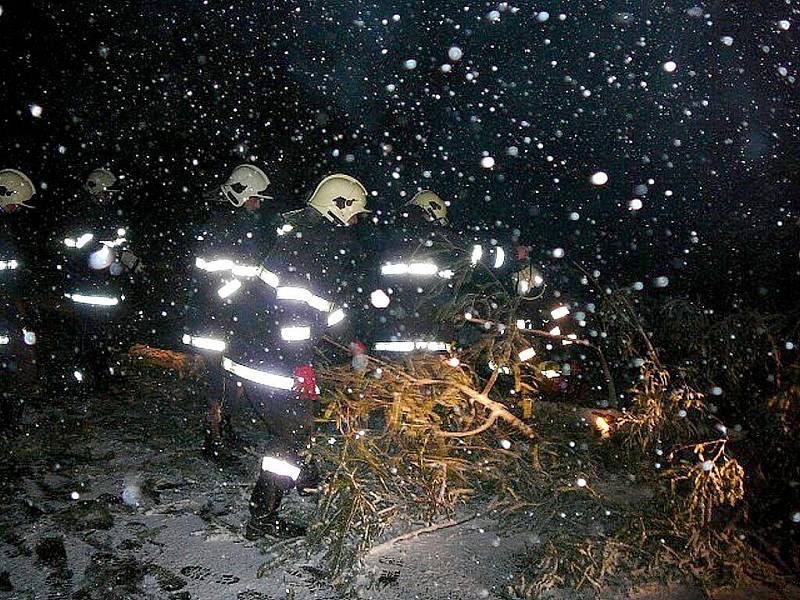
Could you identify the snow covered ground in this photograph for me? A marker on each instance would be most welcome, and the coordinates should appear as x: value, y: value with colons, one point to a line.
x: 142, y: 514
x: 109, y: 497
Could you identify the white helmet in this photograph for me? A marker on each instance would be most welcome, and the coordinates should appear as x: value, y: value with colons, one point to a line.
x: 432, y: 205
x: 339, y: 198
x: 15, y: 188
x: 100, y: 181
x: 246, y: 181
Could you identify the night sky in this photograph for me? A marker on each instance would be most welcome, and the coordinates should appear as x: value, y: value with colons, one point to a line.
x: 409, y: 95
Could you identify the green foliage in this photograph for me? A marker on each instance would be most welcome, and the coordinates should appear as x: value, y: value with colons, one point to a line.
x: 700, y: 521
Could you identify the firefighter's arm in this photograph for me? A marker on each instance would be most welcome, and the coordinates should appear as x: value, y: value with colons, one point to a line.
x: 347, y: 325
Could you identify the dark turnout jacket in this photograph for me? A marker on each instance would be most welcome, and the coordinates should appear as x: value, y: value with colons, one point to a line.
x: 420, y: 269
x: 96, y: 262
x: 221, y: 252
x: 16, y: 272
x: 299, y: 293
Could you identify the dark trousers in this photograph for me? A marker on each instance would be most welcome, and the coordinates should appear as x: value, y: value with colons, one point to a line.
x: 100, y: 335
x: 18, y: 373
x: 11, y: 387
x: 289, y: 421
x: 97, y: 345
x: 217, y: 397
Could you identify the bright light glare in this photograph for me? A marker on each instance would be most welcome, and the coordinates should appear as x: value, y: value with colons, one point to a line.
x: 94, y: 300
x: 602, y: 425
x: 336, y: 317
x: 280, y: 467
x: 394, y: 269
x: 204, y: 343
x: 229, y: 288
x: 379, y: 299
x: 214, y: 265
x: 101, y: 259
x: 411, y: 346
x: 499, y: 257
x: 303, y: 295
x: 245, y: 271
x: 422, y: 269
x: 477, y: 253
x: 268, y: 277
x: 295, y: 334
x: 261, y: 377
x: 320, y: 304
x: 394, y: 346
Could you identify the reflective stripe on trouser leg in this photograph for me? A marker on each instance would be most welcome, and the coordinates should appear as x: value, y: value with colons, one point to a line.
x: 266, y: 498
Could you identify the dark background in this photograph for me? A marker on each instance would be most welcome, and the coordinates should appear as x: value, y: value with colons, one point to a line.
x: 173, y: 93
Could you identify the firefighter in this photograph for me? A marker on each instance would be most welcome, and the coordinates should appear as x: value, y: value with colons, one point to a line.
x: 411, y: 279
x: 305, y: 282
x: 227, y: 252
x: 17, y: 338
x: 100, y: 274
x: 423, y: 266
x: 544, y: 306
